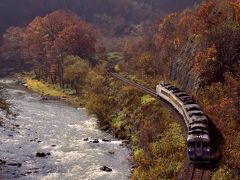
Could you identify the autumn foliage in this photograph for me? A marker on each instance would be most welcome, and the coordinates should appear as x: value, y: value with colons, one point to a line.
x: 47, y: 41
x: 207, y: 38
x: 62, y: 48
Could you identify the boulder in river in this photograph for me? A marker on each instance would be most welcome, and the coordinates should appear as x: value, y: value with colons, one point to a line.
x: 15, y: 164
x: 41, y: 154
x: 85, y: 139
x: 95, y: 141
x: 105, y: 168
x: 45, y: 98
x: 106, y: 140
x: 2, y: 161
x: 92, y: 140
x: 111, y: 152
x: 125, y: 141
x: 105, y: 128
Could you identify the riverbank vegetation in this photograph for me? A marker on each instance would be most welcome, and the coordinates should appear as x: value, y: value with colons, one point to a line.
x: 54, y: 91
x: 196, y: 49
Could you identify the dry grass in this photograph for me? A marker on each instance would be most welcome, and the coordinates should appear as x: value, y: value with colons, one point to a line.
x: 54, y: 90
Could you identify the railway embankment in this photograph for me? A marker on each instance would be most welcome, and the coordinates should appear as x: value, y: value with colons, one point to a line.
x: 158, y: 140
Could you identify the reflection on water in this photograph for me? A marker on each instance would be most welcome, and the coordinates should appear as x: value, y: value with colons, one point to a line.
x: 59, y: 129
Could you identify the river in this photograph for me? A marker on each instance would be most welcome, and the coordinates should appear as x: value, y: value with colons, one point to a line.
x: 57, y: 130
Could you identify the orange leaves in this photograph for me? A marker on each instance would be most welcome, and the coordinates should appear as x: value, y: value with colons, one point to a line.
x: 177, y: 42
x: 47, y: 40
x: 211, y: 52
x: 60, y: 33
x: 211, y: 55
x: 199, y: 58
x: 78, y: 39
x: 211, y: 14
x: 202, y: 59
x: 236, y: 7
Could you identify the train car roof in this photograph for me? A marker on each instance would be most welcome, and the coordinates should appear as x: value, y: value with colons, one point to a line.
x: 193, y: 109
x: 176, y: 91
x: 171, y: 88
x: 198, y: 125
x: 191, y: 105
x: 200, y: 121
x: 183, y: 94
x: 195, y: 112
x: 198, y: 132
x: 189, y: 101
x: 198, y: 128
x: 186, y: 97
x: 202, y: 138
x: 202, y: 118
x: 164, y: 84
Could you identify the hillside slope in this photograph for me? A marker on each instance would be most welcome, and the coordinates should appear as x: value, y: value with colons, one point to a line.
x: 125, y: 12
x: 198, y: 50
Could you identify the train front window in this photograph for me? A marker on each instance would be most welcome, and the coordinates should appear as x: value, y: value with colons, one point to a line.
x: 198, y: 144
x: 206, y: 144
x: 190, y: 144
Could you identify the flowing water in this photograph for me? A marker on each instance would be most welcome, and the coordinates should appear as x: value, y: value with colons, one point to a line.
x: 57, y: 130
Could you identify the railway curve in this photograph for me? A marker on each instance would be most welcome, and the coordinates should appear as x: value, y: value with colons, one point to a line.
x: 193, y: 172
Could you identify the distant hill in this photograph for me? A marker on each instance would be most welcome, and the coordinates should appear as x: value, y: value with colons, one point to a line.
x: 121, y: 13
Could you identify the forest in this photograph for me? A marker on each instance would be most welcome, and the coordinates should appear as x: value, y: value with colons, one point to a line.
x: 192, y: 44
x: 121, y: 14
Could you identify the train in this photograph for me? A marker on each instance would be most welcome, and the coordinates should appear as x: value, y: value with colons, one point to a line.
x: 198, y: 141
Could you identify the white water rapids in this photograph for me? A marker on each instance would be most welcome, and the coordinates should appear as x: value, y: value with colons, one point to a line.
x: 59, y: 129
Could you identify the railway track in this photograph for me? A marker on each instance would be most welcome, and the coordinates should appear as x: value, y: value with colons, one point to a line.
x: 194, y: 172
x: 199, y: 173
x: 136, y: 85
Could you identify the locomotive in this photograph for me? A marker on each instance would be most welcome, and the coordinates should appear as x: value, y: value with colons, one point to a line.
x: 198, y: 140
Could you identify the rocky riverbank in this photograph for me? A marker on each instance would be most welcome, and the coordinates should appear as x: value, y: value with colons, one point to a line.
x: 46, y: 140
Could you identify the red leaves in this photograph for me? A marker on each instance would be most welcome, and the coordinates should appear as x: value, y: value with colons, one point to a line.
x: 78, y: 39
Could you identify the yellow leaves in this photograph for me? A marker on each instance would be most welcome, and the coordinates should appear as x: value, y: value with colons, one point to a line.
x: 95, y: 81
x: 202, y: 59
x: 199, y: 57
x: 145, y: 59
x: 177, y: 42
x: 44, y: 88
x: 147, y: 100
x: 75, y: 68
